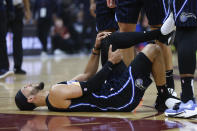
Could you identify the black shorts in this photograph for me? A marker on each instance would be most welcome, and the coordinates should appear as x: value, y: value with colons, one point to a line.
x: 128, y: 11
x: 105, y: 17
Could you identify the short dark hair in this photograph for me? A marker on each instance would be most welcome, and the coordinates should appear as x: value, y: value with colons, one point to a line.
x: 22, y: 103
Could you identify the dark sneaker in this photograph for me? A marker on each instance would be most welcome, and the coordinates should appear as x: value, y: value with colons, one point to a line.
x: 160, y: 103
x: 19, y: 71
x: 4, y: 73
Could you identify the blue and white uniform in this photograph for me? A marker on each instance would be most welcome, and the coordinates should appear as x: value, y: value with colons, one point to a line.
x: 121, y: 92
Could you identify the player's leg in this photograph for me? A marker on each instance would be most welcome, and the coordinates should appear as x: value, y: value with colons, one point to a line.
x: 130, y: 51
x: 105, y: 22
x: 127, y: 13
x: 187, y: 65
x: 186, y: 47
x: 186, y: 61
x: 154, y: 53
x: 167, y: 54
x: 186, y: 33
x: 123, y: 40
x: 156, y: 13
x: 147, y: 61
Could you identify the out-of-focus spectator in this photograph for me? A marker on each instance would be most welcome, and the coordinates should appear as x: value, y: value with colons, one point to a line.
x: 68, y: 11
x: 76, y: 19
x: 89, y: 27
x: 61, y: 38
x: 44, y: 11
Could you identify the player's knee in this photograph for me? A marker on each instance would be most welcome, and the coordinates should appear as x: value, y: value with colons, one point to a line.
x: 152, y: 51
x: 156, y: 49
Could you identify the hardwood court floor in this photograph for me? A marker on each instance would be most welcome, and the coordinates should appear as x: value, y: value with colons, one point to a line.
x: 55, y: 69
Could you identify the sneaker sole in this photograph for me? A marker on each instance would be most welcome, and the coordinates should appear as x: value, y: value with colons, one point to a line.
x: 183, y: 114
x: 6, y: 74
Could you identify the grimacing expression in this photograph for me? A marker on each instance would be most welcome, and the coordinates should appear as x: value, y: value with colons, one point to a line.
x: 32, y: 89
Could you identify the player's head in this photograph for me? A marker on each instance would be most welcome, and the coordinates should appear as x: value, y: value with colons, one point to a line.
x: 25, y: 97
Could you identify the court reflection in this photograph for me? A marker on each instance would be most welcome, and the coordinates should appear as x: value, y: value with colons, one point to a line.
x: 73, y: 123
x: 59, y: 123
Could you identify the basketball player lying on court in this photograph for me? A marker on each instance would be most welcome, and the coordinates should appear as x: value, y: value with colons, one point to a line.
x: 115, y: 88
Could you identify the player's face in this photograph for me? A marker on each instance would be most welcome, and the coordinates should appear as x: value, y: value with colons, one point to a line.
x: 32, y: 89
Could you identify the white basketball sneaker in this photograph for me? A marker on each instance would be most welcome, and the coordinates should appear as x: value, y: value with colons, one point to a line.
x: 183, y: 110
x: 169, y: 25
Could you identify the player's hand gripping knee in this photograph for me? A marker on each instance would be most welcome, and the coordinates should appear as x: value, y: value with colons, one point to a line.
x: 99, y: 37
x: 114, y: 57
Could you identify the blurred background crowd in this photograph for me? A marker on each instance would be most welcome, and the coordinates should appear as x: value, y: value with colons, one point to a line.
x: 61, y: 26
x: 57, y: 25
x: 48, y: 27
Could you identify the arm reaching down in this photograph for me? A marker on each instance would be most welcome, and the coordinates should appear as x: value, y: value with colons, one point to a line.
x: 93, y: 63
x: 99, y: 78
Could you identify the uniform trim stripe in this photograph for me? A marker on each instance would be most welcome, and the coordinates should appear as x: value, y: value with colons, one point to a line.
x: 116, y: 93
x: 165, y: 9
x: 177, y: 14
x: 116, y: 18
x: 164, y: 6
